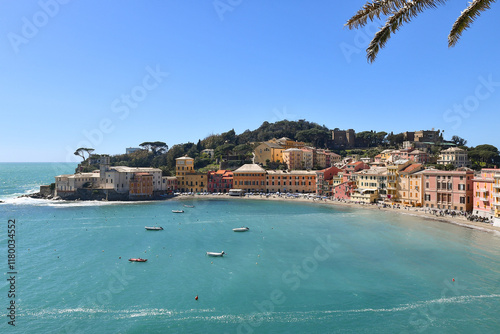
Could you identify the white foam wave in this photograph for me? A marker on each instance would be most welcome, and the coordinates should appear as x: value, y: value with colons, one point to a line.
x: 65, y: 204
x: 202, y: 314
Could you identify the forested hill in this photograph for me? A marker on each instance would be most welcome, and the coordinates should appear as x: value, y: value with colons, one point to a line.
x: 231, y: 150
x: 301, y: 130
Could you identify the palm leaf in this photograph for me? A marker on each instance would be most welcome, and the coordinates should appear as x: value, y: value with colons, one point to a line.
x: 466, y: 18
x: 404, y: 15
x: 376, y: 8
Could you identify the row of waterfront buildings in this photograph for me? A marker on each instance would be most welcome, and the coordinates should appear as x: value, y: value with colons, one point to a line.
x: 405, y: 182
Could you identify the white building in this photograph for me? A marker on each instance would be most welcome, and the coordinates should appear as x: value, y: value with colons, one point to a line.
x: 454, y: 156
x: 116, y: 178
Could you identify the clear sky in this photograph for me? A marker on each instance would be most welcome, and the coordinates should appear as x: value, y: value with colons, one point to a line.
x: 113, y: 74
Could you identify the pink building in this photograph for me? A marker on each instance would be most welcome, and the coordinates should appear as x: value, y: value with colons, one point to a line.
x: 356, y: 166
x: 402, y: 154
x: 220, y: 181
x: 324, y: 179
x: 353, y: 167
x: 452, y: 190
x: 483, y: 201
x: 343, y: 191
x: 169, y: 184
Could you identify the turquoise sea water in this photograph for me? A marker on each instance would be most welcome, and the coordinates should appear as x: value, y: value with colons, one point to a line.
x: 302, y: 268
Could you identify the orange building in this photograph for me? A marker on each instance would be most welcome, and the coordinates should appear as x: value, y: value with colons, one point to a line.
x: 141, y: 185
x: 483, y: 194
x: 296, y: 181
x: 250, y: 178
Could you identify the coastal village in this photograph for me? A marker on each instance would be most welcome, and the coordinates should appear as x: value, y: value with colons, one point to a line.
x: 393, y: 177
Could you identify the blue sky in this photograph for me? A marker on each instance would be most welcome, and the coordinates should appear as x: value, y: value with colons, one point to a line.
x: 113, y: 74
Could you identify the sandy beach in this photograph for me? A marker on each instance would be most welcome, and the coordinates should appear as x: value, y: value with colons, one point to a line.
x: 420, y: 212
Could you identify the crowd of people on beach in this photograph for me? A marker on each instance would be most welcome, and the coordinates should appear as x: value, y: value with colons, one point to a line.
x: 429, y: 211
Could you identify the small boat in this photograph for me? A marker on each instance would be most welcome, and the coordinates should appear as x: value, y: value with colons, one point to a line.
x: 215, y: 253
x: 189, y: 206
x: 241, y: 229
x: 137, y: 260
x: 153, y: 228
x: 178, y: 211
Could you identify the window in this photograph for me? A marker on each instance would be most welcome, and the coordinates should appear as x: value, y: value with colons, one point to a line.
x: 462, y: 200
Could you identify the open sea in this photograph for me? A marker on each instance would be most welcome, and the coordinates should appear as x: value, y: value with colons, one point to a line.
x: 301, y: 268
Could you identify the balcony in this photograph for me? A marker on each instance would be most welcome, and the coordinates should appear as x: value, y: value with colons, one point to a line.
x: 496, y: 194
x: 496, y: 186
x: 483, y: 199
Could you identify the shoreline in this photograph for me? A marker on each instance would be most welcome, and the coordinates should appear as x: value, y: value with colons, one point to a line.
x: 416, y: 212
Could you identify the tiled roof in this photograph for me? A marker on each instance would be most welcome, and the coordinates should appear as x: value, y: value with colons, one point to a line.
x: 411, y: 168
x: 272, y: 145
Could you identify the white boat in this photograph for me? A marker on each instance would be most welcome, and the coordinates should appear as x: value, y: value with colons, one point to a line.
x: 188, y: 206
x: 215, y: 253
x: 241, y: 229
x: 178, y: 211
x: 153, y: 228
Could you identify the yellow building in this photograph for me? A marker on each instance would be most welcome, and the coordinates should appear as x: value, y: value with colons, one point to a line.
x: 371, y: 185
x: 268, y: 151
x: 393, y: 187
x: 188, y: 180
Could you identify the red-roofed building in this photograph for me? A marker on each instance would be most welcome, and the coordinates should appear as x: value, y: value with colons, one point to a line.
x: 220, y: 181
x: 353, y: 167
x: 324, y: 179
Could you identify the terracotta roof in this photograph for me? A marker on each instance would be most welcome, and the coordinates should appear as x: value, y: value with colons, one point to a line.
x: 411, y: 168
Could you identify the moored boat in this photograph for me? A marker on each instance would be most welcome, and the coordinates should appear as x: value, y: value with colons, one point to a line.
x: 153, y: 228
x: 241, y: 229
x: 188, y: 206
x: 178, y: 211
x: 215, y: 253
x: 137, y: 260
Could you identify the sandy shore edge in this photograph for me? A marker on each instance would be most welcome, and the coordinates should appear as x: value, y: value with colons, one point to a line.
x: 417, y: 212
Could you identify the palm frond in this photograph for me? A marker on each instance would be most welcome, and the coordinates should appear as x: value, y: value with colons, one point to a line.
x: 404, y: 15
x: 373, y: 9
x: 466, y: 18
